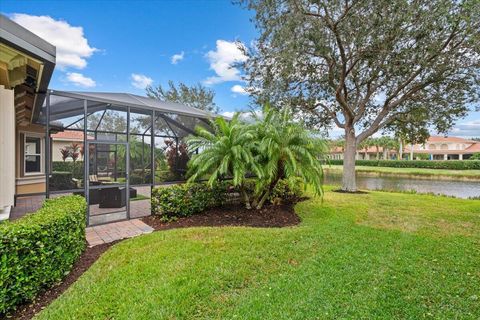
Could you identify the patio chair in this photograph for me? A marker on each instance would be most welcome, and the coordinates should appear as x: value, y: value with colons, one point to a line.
x: 93, y: 178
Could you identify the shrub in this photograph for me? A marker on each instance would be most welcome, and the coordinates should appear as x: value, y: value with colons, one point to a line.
x: 186, y: 199
x: 75, y: 168
x: 39, y: 249
x: 285, y: 191
x: 428, y: 164
x: 183, y: 200
x: 61, y: 181
x: 136, y: 179
x: 276, y: 146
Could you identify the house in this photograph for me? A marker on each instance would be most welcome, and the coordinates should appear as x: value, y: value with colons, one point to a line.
x: 446, y: 148
x: 370, y: 153
x: 26, y: 66
x: 64, y: 140
x: 132, y: 142
x: 435, y: 148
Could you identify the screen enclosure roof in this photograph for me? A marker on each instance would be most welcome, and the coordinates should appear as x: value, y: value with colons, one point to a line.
x: 70, y: 103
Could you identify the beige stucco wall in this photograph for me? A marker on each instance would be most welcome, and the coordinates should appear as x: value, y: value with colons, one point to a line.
x: 7, y: 148
x: 57, y: 145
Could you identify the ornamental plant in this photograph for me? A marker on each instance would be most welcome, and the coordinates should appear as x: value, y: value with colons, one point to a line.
x: 225, y: 152
x: 285, y: 149
x: 275, y: 147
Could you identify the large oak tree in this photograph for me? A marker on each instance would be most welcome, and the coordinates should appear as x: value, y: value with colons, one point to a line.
x: 365, y: 65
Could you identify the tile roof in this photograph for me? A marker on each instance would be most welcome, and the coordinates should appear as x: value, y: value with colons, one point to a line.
x: 69, y: 135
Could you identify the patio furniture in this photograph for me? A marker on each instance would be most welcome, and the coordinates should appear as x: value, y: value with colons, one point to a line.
x: 93, y: 178
x: 93, y: 195
x: 113, y: 197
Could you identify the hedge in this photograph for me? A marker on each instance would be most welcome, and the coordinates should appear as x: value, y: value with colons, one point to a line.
x: 429, y: 164
x: 68, y: 166
x: 40, y: 249
x: 183, y: 200
x: 61, y: 181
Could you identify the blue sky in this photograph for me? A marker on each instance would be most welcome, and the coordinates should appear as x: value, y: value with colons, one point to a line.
x: 121, y: 46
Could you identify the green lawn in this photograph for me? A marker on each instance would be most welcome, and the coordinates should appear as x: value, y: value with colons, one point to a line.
x: 470, y: 174
x: 371, y: 256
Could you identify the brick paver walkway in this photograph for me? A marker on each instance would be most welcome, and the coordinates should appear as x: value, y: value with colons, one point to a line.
x: 115, y: 231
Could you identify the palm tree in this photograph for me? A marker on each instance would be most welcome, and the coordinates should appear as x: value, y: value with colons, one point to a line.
x: 225, y: 152
x: 376, y: 142
x: 285, y: 150
x: 367, y: 143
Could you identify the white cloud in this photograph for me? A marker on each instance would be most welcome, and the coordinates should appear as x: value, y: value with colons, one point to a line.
x: 222, y: 60
x: 178, y: 57
x: 80, y: 80
x: 72, y: 46
x: 467, y: 129
x: 141, y: 81
x: 228, y: 114
x: 239, y: 89
x: 244, y: 115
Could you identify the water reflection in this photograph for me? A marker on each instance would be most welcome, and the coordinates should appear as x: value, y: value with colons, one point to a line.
x: 459, y: 189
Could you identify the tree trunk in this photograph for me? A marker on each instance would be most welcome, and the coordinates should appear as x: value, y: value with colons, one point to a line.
x: 349, y: 182
x: 400, y: 150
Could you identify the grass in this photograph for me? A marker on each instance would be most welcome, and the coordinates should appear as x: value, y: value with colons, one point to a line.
x: 468, y: 174
x: 364, y: 256
x: 139, y: 197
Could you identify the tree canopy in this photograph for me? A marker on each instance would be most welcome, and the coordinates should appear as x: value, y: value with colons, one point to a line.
x: 196, y: 96
x: 365, y: 65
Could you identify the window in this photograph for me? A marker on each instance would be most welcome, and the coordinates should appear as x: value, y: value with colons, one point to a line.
x: 33, y: 154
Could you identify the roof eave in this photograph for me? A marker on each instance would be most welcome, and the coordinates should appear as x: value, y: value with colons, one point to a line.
x: 23, y: 40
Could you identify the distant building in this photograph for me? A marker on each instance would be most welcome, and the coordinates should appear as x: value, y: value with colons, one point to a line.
x: 445, y: 148
x: 64, y: 140
x: 370, y: 153
x: 435, y: 148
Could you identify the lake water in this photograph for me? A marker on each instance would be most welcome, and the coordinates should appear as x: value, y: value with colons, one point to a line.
x: 456, y: 188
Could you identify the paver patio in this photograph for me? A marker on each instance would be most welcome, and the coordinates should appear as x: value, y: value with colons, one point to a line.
x: 116, y: 231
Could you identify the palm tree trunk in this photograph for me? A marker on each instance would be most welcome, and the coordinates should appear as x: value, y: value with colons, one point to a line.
x: 246, y: 198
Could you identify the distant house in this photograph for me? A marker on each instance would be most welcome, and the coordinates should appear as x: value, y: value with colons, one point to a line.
x: 446, y: 148
x: 370, y: 153
x: 435, y: 148
x: 64, y: 140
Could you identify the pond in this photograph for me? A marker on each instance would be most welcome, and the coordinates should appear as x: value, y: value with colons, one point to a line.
x: 455, y: 188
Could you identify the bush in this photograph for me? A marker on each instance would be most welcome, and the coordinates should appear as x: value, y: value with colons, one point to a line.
x: 285, y: 191
x: 475, y: 156
x: 39, y: 249
x: 136, y: 179
x: 61, y: 181
x: 183, y: 200
x: 186, y: 199
x: 63, y: 166
x: 428, y: 164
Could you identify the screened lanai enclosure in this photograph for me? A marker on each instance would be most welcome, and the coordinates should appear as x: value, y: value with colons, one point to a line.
x: 124, y: 145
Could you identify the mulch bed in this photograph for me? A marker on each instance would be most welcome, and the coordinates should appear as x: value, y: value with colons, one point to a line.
x: 234, y: 215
